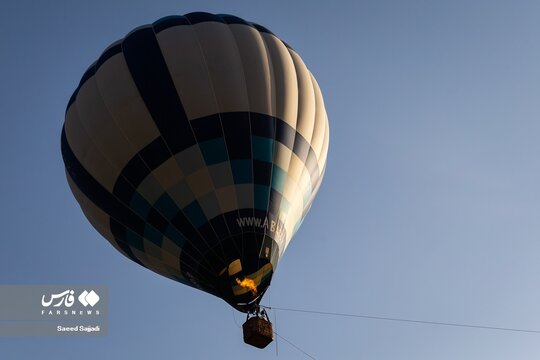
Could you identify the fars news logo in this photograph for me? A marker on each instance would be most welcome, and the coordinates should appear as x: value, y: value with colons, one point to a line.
x: 62, y: 303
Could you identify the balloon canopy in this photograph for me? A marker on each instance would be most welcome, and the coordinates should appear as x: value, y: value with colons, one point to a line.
x: 195, y: 146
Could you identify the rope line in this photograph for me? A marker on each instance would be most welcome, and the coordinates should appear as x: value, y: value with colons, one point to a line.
x: 234, y: 318
x: 439, y: 323
x: 295, y: 346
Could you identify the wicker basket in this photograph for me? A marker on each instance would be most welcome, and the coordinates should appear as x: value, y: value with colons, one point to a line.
x: 258, y: 332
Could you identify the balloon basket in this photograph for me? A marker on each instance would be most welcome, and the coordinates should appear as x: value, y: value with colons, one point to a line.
x: 258, y: 331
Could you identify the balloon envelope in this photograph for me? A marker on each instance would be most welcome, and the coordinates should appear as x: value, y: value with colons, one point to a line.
x: 195, y: 146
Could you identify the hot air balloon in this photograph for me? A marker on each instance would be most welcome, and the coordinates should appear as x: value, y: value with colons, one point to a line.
x: 195, y: 146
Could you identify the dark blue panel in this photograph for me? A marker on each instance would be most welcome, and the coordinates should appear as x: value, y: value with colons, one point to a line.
x: 154, y: 236
x: 301, y: 147
x: 166, y: 206
x: 154, y: 153
x: 207, y: 128
x: 158, y: 221
x: 169, y: 21
x: 262, y: 172
x: 107, y: 54
x: 220, y: 227
x: 198, y: 17
x: 139, y: 205
x: 195, y: 214
x: 151, y: 76
x: 242, y: 171
x: 236, y: 128
x: 261, y: 28
x: 263, y: 125
x: 285, y: 134
x: 261, y: 193
x: 214, y: 151
x: 231, y: 19
x: 263, y: 148
x: 186, y: 228
x: 88, y: 74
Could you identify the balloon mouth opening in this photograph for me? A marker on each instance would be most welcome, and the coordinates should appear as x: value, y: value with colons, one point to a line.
x: 242, y: 286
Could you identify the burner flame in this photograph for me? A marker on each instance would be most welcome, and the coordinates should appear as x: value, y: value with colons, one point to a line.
x: 248, y: 284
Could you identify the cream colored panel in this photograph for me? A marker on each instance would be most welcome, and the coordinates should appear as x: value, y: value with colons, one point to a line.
x: 77, y: 193
x: 100, y: 168
x: 151, y: 249
x: 210, y: 206
x: 124, y: 103
x: 314, y: 193
x: 285, y: 83
x: 244, y: 193
x: 141, y: 256
x: 235, y: 267
x: 324, y: 149
x: 101, y: 128
x: 296, y: 167
x: 257, y: 68
x: 305, y: 184
x: 168, y: 173
x: 319, y: 127
x: 118, y: 248
x: 320, y: 133
x: 87, y: 153
x: 187, y: 67
x: 168, y: 246
x: 102, y: 228
x: 282, y: 155
x: 181, y: 194
x: 174, y: 272
x: 97, y: 217
x: 150, y: 262
x: 224, y: 65
x: 295, y: 214
x: 77, y: 138
x: 317, y: 143
x: 105, y: 232
x: 190, y: 160
x: 171, y: 257
x: 150, y: 189
x: 283, y: 160
x: 200, y: 182
x: 227, y: 198
x: 292, y: 188
x: 171, y: 260
x: 99, y: 220
x: 221, y: 174
x: 306, y: 98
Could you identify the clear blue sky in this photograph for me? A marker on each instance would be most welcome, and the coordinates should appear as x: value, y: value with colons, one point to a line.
x: 429, y: 209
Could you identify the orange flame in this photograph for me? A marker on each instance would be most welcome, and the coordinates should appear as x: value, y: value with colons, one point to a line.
x: 249, y: 284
